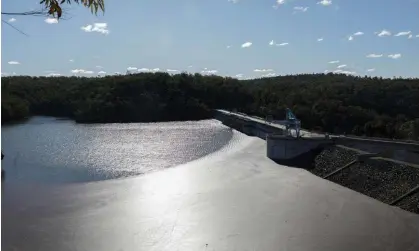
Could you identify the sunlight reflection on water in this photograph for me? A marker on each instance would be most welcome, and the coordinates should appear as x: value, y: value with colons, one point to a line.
x: 48, y: 150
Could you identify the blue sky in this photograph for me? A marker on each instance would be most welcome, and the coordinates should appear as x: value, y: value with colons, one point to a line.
x: 225, y: 37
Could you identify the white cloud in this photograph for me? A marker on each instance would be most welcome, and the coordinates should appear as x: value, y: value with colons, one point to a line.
x: 96, y: 27
x: 99, y: 67
x: 410, y: 36
x: 4, y: 73
x: 130, y: 68
x: 101, y: 72
x: 319, y: 39
x: 269, y: 75
x: 228, y: 46
x: 239, y: 75
x: 300, y: 8
x: 271, y: 43
x: 403, y: 33
x: 341, y: 66
x: 344, y: 72
x: 51, y: 20
x: 282, y: 44
x: 247, y: 44
x: 262, y: 70
x: 349, y: 72
x: 54, y: 75
x: 352, y: 37
x: 71, y: 60
x: 233, y: 1
x: 278, y: 3
x: 371, y: 70
x: 325, y: 2
x: 13, y: 62
x: 150, y: 70
x: 395, y: 56
x: 190, y: 66
x: 383, y: 33
x: 374, y: 55
x: 209, y: 71
x: 11, y: 20
x: 81, y: 71
x: 172, y: 70
x: 334, y: 62
x: 417, y: 35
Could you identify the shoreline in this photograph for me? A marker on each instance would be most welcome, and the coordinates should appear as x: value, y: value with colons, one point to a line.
x: 58, y: 118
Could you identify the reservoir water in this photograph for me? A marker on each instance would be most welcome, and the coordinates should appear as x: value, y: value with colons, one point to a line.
x: 50, y: 151
x: 218, y: 191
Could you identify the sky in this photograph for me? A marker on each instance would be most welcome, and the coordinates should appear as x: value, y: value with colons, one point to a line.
x: 237, y: 38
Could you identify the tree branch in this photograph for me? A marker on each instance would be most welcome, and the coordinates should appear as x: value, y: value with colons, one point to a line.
x: 27, y: 13
x: 37, y: 13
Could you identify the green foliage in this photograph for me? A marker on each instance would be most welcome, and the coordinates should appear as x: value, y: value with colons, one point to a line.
x: 333, y: 103
x: 54, y: 6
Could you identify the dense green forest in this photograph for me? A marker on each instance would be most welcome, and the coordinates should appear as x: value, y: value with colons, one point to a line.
x: 324, y: 102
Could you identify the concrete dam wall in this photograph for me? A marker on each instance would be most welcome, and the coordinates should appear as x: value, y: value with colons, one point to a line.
x: 298, y: 152
x: 247, y: 126
x: 382, y: 169
x: 282, y: 148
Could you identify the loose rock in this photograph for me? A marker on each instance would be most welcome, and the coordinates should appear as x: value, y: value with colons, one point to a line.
x: 379, y: 179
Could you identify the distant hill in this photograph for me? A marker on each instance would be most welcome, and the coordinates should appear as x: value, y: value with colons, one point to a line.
x: 324, y: 102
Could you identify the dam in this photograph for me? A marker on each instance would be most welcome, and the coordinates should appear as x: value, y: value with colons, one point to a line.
x: 234, y: 199
x: 288, y: 144
x: 282, y: 144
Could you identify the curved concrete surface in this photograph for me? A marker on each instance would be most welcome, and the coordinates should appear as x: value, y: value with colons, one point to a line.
x: 235, y: 200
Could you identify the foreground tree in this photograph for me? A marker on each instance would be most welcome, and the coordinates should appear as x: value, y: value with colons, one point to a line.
x: 55, y: 8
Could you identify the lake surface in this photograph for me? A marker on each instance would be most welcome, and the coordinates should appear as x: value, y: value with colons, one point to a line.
x: 49, y: 150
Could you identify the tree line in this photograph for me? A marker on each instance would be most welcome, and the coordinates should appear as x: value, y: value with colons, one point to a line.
x: 333, y: 103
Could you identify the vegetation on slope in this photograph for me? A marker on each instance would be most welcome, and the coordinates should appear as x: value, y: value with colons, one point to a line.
x: 333, y: 103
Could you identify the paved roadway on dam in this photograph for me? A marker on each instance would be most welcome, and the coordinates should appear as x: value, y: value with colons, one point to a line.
x: 235, y: 199
x: 340, y: 139
x: 303, y: 133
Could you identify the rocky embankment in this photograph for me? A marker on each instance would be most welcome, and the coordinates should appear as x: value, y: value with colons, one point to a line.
x: 379, y: 179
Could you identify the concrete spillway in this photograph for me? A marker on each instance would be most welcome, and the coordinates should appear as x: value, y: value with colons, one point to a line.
x: 359, y: 172
x: 236, y: 199
x: 280, y: 146
x: 283, y: 148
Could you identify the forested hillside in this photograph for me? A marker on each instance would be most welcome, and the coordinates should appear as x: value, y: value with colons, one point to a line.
x: 332, y: 103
